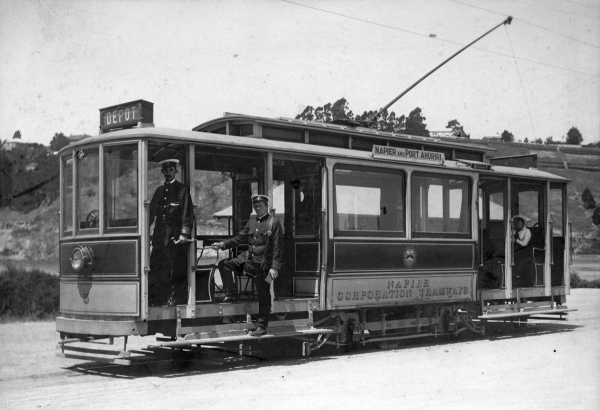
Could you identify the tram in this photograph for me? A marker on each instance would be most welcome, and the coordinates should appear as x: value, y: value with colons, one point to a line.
x: 387, y: 236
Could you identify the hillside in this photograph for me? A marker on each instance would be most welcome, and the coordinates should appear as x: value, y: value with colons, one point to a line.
x: 34, y: 235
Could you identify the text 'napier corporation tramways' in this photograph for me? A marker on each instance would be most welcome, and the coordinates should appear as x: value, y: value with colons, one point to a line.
x: 381, y: 151
x: 370, y: 291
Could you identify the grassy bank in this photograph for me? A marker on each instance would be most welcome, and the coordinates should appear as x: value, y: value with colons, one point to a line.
x: 27, y: 295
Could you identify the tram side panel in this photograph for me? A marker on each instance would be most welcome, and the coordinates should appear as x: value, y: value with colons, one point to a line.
x: 108, y: 289
x: 400, y: 274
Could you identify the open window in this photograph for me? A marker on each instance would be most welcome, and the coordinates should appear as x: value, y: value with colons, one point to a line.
x: 528, y: 201
x: 557, y: 205
x: 492, y: 232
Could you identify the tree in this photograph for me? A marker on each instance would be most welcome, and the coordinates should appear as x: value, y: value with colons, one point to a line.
x: 507, y: 136
x: 549, y: 140
x: 596, y: 217
x: 59, y: 141
x: 327, y: 113
x: 17, y: 135
x: 574, y: 137
x: 538, y: 141
x: 457, y: 129
x: 588, y: 199
x: 415, y: 124
x: 387, y: 121
x: 526, y: 140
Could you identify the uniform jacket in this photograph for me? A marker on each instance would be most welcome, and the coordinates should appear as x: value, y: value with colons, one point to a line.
x: 257, y: 233
x: 172, y: 208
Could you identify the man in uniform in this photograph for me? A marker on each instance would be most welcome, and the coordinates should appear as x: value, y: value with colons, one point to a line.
x: 264, y: 235
x: 171, y: 208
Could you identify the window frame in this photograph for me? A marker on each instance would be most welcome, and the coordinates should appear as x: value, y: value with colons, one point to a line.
x: 340, y: 233
x: 78, y: 229
x: 468, y: 234
x: 106, y: 230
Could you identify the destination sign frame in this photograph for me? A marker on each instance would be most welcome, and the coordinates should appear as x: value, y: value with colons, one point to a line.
x: 126, y: 115
x: 407, y: 154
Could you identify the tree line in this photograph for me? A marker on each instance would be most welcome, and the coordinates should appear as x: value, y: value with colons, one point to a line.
x: 413, y: 124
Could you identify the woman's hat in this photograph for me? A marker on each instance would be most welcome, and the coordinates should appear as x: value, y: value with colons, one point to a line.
x: 521, y: 217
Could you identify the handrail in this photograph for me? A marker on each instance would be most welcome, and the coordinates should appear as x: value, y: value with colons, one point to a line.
x: 570, y: 243
x: 551, y: 243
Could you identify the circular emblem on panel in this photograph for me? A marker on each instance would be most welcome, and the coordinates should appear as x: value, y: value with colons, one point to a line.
x: 409, y: 257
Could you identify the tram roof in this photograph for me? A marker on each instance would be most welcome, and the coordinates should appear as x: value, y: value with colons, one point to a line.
x: 337, y: 129
x: 296, y: 148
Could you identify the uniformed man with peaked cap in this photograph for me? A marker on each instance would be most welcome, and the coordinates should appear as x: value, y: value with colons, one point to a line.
x: 172, y: 211
x: 264, y: 235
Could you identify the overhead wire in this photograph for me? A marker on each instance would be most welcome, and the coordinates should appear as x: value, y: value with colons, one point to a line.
x: 553, y: 9
x: 522, y: 86
x: 436, y: 38
x: 527, y: 22
x: 581, y: 4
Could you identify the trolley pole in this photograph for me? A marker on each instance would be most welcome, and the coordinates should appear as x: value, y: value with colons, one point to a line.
x: 376, y: 116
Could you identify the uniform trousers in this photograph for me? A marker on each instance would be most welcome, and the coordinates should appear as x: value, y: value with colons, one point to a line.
x: 168, y: 278
x: 230, y: 268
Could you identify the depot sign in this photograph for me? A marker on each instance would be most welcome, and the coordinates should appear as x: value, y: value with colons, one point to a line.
x: 126, y: 115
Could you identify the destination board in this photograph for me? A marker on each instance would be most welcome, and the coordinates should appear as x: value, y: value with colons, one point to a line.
x: 126, y: 115
x: 407, y: 154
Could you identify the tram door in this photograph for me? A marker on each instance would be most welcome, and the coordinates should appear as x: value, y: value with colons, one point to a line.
x: 492, y: 233
x: 559, y: 262
x: 297, y: 200
x: 528, y: 260
x: 157, y: 296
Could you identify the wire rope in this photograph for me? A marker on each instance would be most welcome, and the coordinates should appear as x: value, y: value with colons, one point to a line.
x: 522, y: 86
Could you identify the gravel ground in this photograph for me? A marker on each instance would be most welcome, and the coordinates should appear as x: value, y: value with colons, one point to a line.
x: 552, y: 365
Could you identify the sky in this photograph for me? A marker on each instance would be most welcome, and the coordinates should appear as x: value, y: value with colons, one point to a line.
x: 61, y: 61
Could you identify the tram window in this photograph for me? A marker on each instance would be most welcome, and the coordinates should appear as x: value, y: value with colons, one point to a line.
x: 328, y: 140
x: 556, y: 209
x: 88, y: 181
x: 282, y: 134
x: 446, y: 151
x: 67, y: 186
x: 368, y: 200
x: 213, y: 190
x: 468, y: 155
x: 402, y: 144
x: 224, y: 181
x: 440, y: 206
x: 366, y: 144
x: 497, y: 206
x: 121, y: 188
x: 527, y: 198
x: 242, y: 129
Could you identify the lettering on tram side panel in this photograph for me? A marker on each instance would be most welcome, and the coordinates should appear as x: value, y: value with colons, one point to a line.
x: 381, y: 151
x: 126, y: 115
x: 351, y: 292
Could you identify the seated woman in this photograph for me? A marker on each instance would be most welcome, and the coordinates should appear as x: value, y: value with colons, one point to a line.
x: 523, y: 274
